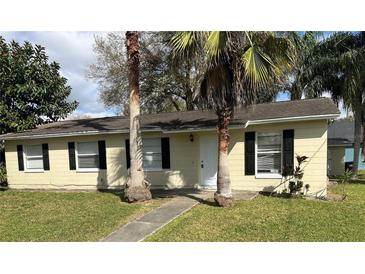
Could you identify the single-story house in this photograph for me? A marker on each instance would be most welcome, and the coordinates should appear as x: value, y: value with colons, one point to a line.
x: 341, y: 136
x: 179, y: 149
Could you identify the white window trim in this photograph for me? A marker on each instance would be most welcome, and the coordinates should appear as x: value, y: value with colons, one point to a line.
x: 81, y: 169
x: 268, y: 175
x: 25, y: 152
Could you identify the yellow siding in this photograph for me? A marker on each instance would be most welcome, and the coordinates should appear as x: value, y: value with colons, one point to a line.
x: 337, y: 166
x: 310, y: 140
x: 183, y: 172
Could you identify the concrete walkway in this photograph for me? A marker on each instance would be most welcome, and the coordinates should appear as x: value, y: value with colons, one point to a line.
x: 139, y: 229
x: 181, y: 201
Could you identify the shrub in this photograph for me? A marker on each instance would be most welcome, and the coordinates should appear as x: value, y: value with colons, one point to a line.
x: 295, y: 181
x: 3, y: 177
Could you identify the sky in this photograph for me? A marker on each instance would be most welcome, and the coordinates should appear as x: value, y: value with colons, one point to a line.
x: 74, y: 52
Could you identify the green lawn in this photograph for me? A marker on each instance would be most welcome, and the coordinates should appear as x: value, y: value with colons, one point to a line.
x: 273, y: 219
x: 56, y: 216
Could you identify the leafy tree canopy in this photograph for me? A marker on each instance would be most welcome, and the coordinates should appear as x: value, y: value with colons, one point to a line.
x: 166, y: 83
x: 32, y: 91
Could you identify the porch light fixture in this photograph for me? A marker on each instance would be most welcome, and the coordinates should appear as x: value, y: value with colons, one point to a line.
x: 191, y: 137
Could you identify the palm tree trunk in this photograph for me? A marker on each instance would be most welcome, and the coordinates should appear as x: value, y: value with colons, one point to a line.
x: 363, y: 127
x: 357, y: 141
x: 137, y: 188
x: 189, y: 99
x: 363, y: 137
x: 223, y: 196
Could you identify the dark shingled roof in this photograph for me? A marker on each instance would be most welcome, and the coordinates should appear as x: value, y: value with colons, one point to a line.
x: 341, y: 133
x: 188, y: 120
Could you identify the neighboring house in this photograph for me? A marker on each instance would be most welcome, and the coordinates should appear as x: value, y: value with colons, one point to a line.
x: 341, y: 147
x: 179, y: 149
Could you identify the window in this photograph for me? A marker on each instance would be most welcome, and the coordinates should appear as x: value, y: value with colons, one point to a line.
x: 152, y: 156
x: 34, y: 158
x: 88, y: 156
x: 268, y: 154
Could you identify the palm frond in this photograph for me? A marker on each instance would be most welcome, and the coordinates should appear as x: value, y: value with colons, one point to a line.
x: 186, y: 43
x: 216, y: 44
x: 256, y: 65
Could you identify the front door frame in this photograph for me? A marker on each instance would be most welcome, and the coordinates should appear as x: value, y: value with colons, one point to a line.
x: 203, y: 140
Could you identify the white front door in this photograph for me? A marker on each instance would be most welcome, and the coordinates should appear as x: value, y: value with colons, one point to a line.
x: 208, y: 160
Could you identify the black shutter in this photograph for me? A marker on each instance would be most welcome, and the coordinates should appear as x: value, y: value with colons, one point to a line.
x: 288, y: 150
x: 250, y: 153
x: 19, y: 149
x: 127, y: 153
x: 102, y: 154
x: 45, y: 156
x: 165, y: 151
x: 71, y: 155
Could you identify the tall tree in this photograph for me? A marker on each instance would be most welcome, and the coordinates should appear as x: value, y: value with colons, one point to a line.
x: 304, y: 45
x: 32, y: 91
x: 165, y: 84
x: 239, y: 64
x: 339, y: 68
x: 137, y: 188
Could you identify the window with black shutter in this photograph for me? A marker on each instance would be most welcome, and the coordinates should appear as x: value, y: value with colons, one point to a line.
x: 288, y: 151
x: 249, y: 153
x: 127, y: 153
x: 102, y: 154
x: 165, y: 151
x: 45, y: 157
x: 19, y: 149
x: 71, y: 155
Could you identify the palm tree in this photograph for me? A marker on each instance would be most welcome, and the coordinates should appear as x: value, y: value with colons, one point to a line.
x: 339, y: 68
x: 239, y: 64
x: 304, y: 45
x: 137, y: 188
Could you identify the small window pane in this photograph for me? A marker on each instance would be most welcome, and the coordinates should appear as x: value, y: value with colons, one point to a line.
x: 269, y: 163
x: 34, y: 151
x: 88, y: 161
x: 152, y: 157
x: 87, y: 148
x: 35, y: 163
x: 268, y: 142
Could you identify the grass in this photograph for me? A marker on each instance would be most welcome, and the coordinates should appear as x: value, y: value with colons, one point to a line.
x: 273, y: 219
x: 61, y: 216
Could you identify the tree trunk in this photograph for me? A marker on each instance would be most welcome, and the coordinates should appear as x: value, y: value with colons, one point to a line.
x: 357, y: 141
x: 363, y: 129
x: 223, y: 196
x: 137, y: 188
x: 295, y: 93
x: 189, y: 99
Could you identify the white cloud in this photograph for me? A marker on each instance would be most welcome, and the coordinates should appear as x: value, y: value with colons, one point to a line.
x: 73, y: 50
x: 344, y: 112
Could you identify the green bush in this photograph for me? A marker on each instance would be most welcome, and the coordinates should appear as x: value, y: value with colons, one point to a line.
x: 3, y: 177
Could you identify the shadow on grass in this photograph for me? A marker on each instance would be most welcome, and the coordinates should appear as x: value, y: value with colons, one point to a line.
x: 189, y: 193
x: 201, y: 200
x: 118, y: 193
x: 357, y: 181
x: 277, y: 195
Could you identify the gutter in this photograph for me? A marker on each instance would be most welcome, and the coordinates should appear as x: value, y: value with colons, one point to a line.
x: 68, y: 134
x: 291, y: 119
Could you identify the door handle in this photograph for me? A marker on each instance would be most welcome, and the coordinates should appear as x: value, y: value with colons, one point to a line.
x: 201, y: 164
